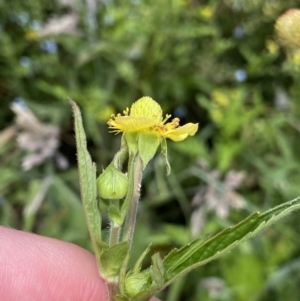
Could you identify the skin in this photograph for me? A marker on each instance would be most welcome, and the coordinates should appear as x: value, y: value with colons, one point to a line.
x: 34, y: 267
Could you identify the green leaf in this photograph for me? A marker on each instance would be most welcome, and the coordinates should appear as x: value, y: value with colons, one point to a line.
x: 87, y: 177
x: 199, y: 252
x: 112, y: 260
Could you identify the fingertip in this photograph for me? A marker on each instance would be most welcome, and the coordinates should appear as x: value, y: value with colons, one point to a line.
x: 40, y: 268
x: 34, y: 267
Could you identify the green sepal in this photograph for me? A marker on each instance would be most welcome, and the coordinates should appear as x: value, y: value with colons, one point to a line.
x: 112, y: 184
x: 120, y: 298
x: 136, y: 283
x: 142, y: 296
x: 164, y: 155
x: 157, y: 272
x: 148, y: 145
x: 114, y: 215
x: 112, y: 260
x: 138, y: 265
x: 131, y: 139
x: 122, y: 155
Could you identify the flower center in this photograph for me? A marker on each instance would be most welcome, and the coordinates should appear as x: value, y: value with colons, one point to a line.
x: 164, y: 127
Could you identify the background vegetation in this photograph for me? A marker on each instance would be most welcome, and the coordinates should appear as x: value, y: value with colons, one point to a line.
x: 213, y: 62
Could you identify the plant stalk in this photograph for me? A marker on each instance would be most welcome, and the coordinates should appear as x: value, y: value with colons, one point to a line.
x: 135, y: 169
x: 129, y: 208
x: 114, y: 230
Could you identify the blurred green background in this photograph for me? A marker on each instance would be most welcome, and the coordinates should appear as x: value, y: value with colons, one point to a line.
x: 214, y: 62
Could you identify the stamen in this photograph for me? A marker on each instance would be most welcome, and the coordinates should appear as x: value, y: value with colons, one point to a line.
x: 115, y: 131
x: 168, y: 116
x: 126, y: 111
x: 175, y: 122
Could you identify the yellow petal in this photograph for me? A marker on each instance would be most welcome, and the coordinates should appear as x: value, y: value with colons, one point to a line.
x: 182, y: 132
x: 128, y: 123
x: 176, y: 137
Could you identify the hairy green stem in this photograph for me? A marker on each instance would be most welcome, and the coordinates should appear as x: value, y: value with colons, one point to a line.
x: 114, y: 235
x: 114, y: 230
x: 129, y: 208
x: 135, y: 169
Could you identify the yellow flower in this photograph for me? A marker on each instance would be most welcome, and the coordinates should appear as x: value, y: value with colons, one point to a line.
x: 206, y: 12
x: 31, y: 35
x: 145, y: 129
x: 145, y: 116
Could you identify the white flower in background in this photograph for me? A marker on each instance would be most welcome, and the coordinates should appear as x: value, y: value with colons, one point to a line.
x: 215, y: 286
x: 76, y: 5
x: 41, y: 141
x: 55, y: 26
x: 69, y: 3
x: 218, y: 197
x: 281, y: 99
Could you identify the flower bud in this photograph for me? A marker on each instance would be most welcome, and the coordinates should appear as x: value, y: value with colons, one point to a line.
x: 112, y: 184
x: 136, y: 283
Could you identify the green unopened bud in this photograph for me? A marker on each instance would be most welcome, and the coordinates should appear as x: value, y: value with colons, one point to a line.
x: 112, y: 184
x: 137, y: 283
x: 288, y: 28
